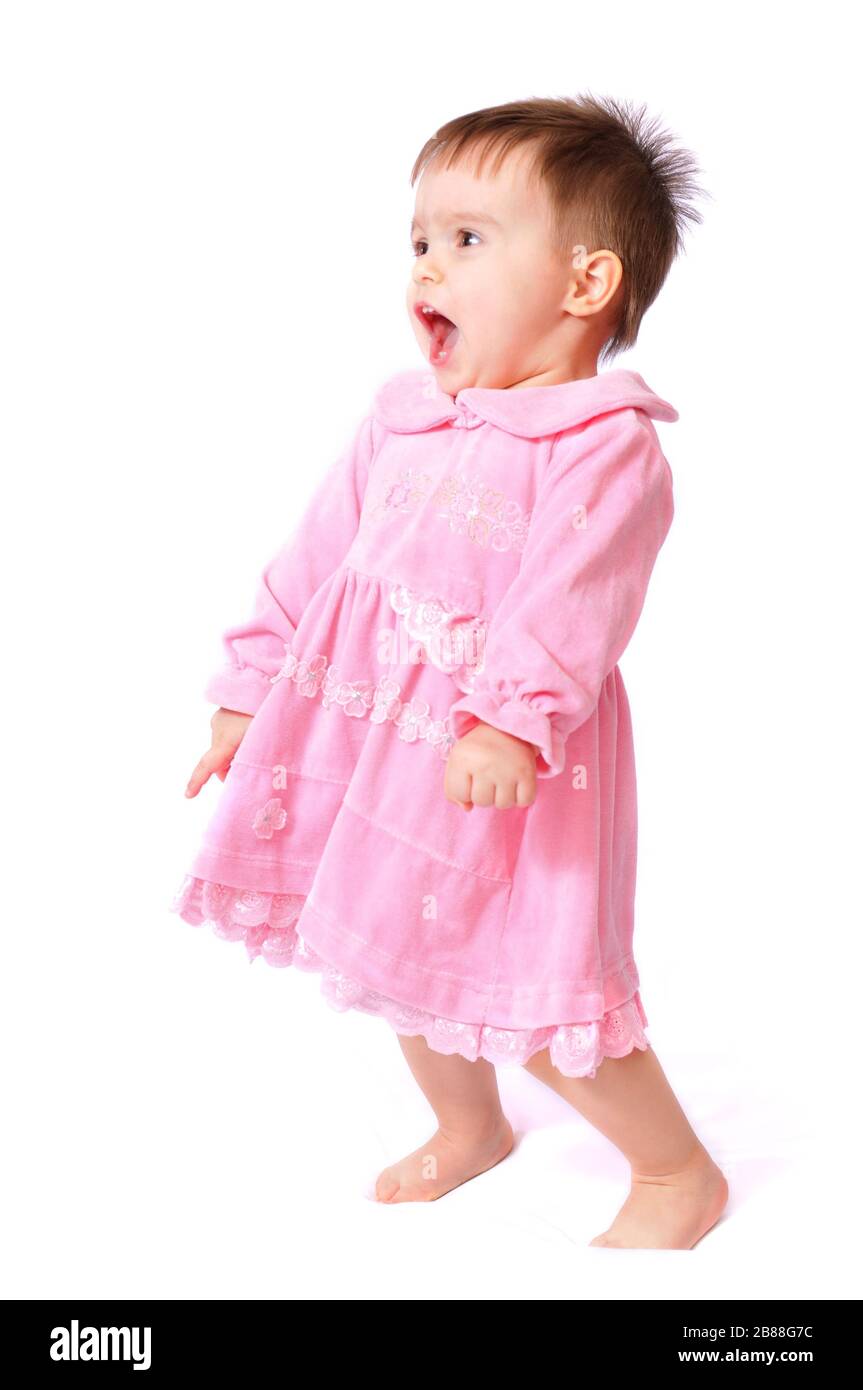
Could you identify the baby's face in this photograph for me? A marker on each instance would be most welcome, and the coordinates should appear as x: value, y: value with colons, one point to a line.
x: 485, y: 260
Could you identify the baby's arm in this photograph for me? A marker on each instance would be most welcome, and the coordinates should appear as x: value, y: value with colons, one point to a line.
x: 601, y: 516
x: 256, y: 648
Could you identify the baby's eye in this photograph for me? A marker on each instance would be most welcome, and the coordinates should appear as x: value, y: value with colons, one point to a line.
x: 419, y: 248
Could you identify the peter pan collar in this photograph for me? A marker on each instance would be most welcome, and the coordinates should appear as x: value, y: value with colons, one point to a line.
x: 412, y: 400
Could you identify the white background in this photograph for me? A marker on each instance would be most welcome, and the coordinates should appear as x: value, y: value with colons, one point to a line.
x: 204, y: 256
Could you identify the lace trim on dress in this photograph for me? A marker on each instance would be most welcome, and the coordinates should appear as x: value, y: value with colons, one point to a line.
x: 265, y: 922
x: 380, y: 700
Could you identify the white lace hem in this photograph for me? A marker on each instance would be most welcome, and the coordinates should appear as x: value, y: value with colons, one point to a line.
x: 264, y: 922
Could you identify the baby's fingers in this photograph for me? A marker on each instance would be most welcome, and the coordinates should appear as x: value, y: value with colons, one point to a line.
x: 457, y: 787
x: 210, y: 763
x: 526, y: 792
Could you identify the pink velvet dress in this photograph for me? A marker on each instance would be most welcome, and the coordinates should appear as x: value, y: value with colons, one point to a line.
x: 478, y: 557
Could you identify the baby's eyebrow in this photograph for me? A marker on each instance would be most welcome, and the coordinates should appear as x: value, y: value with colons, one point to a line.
x: 464, y: 217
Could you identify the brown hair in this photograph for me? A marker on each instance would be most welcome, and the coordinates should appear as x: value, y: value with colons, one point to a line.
x: 613, y: 180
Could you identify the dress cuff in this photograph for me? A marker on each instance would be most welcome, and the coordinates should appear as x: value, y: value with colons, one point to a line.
x: 241, y: 690
x: 514, y: 717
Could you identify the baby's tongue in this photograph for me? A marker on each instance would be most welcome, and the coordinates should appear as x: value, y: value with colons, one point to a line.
x: 444, y: 335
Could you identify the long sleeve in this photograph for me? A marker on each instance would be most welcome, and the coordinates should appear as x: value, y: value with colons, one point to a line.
x: 255, y: 649
x: 601, y: 515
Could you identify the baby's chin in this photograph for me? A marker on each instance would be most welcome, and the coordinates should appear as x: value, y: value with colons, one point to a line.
x: 453, y: 377
x: 461, y: 371
x: 452, y: 381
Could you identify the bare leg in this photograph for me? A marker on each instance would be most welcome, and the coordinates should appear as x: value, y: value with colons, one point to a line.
x: 473, y: 1133
x: 678, y: 1192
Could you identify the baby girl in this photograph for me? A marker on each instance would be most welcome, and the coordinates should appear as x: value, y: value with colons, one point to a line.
x: 441, y: 635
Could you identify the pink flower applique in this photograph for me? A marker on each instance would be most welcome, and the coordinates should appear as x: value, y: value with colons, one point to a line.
x: 386, y: 701
x: 413, y: 721
x: 309, y: 675
x: 288, y: 668
x: 270, y: 817
x: 355, y: 697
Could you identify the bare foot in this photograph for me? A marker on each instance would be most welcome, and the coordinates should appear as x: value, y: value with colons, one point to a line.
x: 445, y: 1162
x: 672, y: 1211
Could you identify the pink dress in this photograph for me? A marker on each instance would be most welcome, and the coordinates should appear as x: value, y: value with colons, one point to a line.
x: 484, y: 556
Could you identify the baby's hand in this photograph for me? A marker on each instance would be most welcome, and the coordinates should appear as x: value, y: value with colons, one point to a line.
x: 228, y: 727
x: 490, y: 768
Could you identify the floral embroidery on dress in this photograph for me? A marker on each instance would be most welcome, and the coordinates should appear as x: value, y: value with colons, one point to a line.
x: 380, y: 700
x: 310, y: 674
x: 413, y: 722
x: 270, y: 817
x: 386, y: 702
x: 266, y: 923
x: 408, y: 490
x: 486, y: 517
x: 454, y: 643
x: 356, y: 698
x: 472, y: 508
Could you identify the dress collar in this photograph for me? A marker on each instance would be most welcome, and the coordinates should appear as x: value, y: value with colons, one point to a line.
x: 412, y: 400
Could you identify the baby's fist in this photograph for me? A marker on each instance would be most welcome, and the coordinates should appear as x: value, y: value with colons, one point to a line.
x: 490, y: 768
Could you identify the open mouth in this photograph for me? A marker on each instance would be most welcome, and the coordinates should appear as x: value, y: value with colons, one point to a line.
x: 443, y: 333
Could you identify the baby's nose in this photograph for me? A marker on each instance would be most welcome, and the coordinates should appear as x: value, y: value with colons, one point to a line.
x: 425, y: 269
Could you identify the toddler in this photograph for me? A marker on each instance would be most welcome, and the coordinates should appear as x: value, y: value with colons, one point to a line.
x: 441, y: 636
